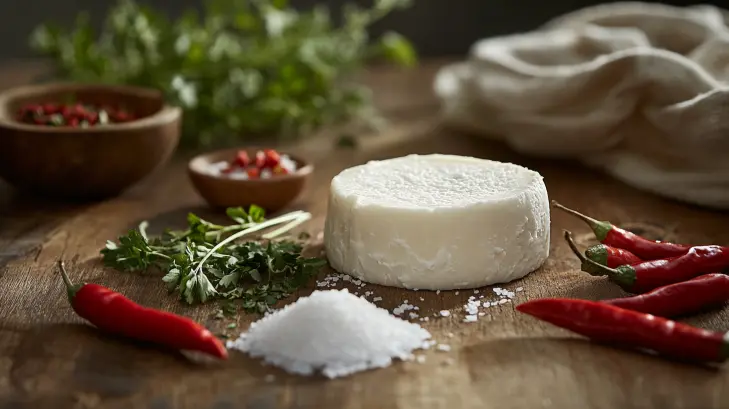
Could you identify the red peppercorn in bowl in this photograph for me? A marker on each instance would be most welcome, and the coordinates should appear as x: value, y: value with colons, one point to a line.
x: 242, y: 177
x: 83, y: 141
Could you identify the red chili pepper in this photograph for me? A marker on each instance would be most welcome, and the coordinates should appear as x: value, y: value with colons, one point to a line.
x: 609, y: 256
x: 253, y: 173
x: 242, y: 159
x: 606, y: 323
x: 272, y: 158
x: 92, y: 118
x: 72, y: 115
x: 50, y: 109
x: 697, y: 294
x: 614, y: 236
x: 649, y: 275
x: 114, y: 313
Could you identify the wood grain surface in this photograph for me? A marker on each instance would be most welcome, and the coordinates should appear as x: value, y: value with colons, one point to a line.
x: 50, y: 359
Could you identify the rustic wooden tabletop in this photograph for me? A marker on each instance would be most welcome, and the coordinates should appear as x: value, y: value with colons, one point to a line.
x: 50, y: 359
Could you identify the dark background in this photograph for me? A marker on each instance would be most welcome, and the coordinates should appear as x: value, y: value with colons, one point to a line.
x: 437, y: 27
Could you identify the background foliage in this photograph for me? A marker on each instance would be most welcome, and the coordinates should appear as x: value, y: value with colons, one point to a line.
x: 241, y: 69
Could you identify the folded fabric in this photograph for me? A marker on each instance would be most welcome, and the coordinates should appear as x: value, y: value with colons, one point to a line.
x: 639, y: 90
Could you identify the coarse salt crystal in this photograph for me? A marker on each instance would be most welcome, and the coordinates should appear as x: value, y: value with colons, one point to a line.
x: 377, y: 299
x: 470, y: 318
x: 445, y: 313
x: 332, y: 332
x: 443, y: 347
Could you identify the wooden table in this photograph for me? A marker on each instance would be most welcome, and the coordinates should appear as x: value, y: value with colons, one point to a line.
x: 49, y: 359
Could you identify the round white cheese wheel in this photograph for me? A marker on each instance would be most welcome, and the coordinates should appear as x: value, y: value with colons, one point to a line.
x: 437, y: 222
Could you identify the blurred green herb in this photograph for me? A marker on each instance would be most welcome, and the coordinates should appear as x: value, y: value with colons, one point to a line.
x: 205, y: 261
x: 241, y: 68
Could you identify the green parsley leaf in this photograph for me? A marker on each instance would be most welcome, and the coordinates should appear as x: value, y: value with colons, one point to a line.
x: 207, y: 261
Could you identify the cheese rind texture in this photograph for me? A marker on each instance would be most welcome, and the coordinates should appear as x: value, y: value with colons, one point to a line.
x: 437, y: 222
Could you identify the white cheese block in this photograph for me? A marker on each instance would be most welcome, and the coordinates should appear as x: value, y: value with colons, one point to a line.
x: 437, y: 222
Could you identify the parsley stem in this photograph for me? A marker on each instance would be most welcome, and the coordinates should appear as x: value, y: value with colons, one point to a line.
x: 304, y: 217
x: 298, y: 214
x: 158, y: 254
x: 227, y: 229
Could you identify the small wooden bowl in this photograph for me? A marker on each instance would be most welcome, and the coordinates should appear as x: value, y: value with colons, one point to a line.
x: 272, y: 194
x: 85, y: 163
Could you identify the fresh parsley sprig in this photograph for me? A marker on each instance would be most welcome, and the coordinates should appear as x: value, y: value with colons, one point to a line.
x: 207, y: 261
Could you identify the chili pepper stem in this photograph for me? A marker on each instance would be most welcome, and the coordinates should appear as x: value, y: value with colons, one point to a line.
x: 600, y: 228
x: 585, y: 266
x: 71, y: 288
x: 623, y: 278
x: 598, y: 254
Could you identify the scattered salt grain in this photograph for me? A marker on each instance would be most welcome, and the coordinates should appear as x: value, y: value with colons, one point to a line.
x: 376, y: 299
x: 437, y: 292
x: 404, y: 307
x: 456, y: 292
x: 445, y: 313
x: 333, y: 332
x: 471, y: 318
x: 504, y: 301
x: 420, y: 359
x: 519, y: 289
x: 503, y: 293
x: 449, y: 335
x: 443, y: 347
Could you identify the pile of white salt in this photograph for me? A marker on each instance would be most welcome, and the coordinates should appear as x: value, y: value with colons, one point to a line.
x: 333, y: 332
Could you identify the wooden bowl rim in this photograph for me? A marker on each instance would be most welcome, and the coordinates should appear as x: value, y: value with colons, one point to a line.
x: 195, y: 166
x: 167, y: 114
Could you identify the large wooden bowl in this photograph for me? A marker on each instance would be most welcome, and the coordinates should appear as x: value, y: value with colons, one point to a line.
x: 271, y: 194
x: 85, y: 163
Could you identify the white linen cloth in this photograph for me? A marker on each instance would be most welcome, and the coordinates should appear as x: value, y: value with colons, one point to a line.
x: 640, y: 90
